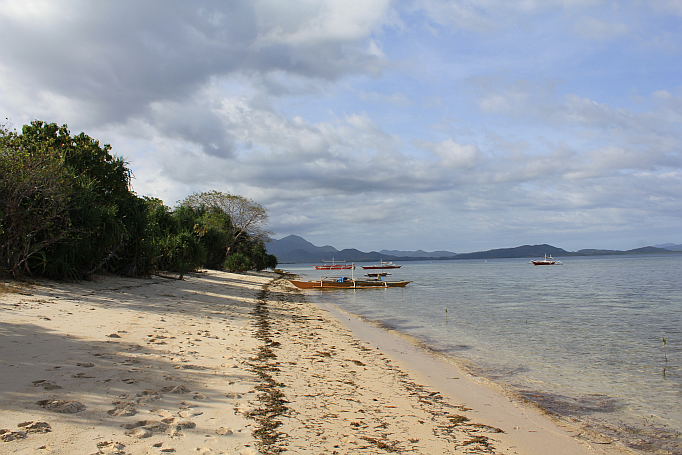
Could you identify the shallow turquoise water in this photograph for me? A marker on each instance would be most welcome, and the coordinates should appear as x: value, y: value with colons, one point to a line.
x: 584, y: 340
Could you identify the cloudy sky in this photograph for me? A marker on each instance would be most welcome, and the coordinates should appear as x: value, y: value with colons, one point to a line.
x: 462, y: 125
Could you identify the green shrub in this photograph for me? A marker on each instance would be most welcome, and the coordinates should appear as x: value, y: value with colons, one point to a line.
x: 237, y: 262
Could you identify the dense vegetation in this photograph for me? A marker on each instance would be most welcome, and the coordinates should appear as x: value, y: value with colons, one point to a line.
x: 67, y: 211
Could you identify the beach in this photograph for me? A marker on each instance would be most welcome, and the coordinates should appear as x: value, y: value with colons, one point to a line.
x: 240, y: 364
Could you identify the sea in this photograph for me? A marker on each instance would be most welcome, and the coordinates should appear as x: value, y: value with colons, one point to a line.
x: 596, y: 340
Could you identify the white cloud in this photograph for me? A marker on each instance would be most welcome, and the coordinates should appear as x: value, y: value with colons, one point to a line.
x: 302, y: 23
x: 290, y: 103
x: 450, y: 154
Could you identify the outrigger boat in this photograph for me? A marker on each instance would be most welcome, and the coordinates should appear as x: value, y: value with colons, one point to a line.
x: 330, y: 282
x: 332, y: 265
x: 376, y: 274
x: 382, y: 265
x: 546, y: 261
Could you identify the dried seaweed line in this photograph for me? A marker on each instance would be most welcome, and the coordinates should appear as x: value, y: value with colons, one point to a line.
x: 272, y: 399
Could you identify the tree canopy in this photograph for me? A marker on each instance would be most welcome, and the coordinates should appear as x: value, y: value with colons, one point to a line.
x: 67, y: 211
x: 246, y: 217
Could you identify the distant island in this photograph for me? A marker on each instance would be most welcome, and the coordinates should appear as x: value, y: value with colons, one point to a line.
x: 296, y: 249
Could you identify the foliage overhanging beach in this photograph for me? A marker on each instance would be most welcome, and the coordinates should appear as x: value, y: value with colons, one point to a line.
x: 67, y: 211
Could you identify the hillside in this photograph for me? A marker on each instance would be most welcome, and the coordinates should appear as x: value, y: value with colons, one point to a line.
x: 295, y: 249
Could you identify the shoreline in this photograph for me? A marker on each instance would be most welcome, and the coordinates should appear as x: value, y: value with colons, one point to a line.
x: 529, y: 428
x: 239, y: 364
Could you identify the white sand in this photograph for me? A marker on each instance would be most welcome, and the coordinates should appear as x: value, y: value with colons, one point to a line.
x: 135, y: 366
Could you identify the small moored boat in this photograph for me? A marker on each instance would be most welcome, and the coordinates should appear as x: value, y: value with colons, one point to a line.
x: 381, y: 265
x: 546, y: 261
x: 333, y: 265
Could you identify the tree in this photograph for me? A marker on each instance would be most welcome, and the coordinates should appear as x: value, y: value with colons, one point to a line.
x: 100, y: 196
x: 67, y: 211
x: 35, y: 195
x: 246, y: 217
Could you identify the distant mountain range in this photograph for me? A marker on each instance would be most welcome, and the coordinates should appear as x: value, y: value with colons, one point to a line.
x: 295, y: 249
x: 670, y: 246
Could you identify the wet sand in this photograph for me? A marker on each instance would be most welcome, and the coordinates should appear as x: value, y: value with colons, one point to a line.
x: 239, y: 364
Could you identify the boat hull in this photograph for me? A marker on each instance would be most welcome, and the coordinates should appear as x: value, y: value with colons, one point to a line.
x: 350, y: 284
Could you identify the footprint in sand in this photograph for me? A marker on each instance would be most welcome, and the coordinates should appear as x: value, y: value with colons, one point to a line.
x: 110, y: 448
x: 81, y: 376
x: 175, y: 389
x: 45, y: 384
x: 160, y: 447
x: 35, y: 427
x: 62, y: 406
x: 9, y: 435
x: 139, y: 433
x: 145, y: 428
x: 191, y: 367
x: 189, y: 413
x: 183, y: 424
x: 123, y: 409
x: 146, y: 396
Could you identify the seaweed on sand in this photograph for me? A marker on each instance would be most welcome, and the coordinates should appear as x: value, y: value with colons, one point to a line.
x: 272, y: 400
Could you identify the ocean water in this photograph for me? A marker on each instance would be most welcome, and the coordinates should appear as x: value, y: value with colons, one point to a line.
x: 584, y: 339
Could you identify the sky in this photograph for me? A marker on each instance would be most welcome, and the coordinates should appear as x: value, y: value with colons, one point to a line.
x: 460, y: 125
